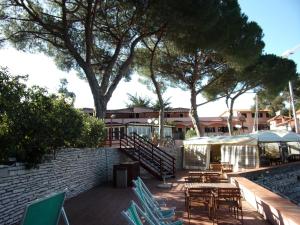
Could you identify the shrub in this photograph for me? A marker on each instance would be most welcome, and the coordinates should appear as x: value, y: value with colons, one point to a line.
x: 34, y: 123
x: 93, y: 132
x: 190, y: 133
x: 40, y: 124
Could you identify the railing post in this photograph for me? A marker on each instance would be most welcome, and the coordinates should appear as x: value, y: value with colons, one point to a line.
x: 152, y: 153
x: 173, y: 166
x: 161, y: 168
x: 120, y: 139
x: 139, y: 152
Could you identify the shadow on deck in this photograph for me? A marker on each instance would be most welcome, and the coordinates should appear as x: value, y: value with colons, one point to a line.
x: 103, y: 205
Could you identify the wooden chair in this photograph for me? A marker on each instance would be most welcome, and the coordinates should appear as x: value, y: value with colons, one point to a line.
x: 227, y: 168
x: 215, y: 167
x: 193, y: 179
x: 230, y: 197
x: 211, y: 177
x: 198, y: 196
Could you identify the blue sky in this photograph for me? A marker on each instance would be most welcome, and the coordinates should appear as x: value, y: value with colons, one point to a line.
x: 279, y: 19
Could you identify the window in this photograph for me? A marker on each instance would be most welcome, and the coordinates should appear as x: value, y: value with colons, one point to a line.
x: 137, y: 115
x: 260, y: 115
x: 268, y: 115
x: 181, y: 115
x: 223, y: 129
x: 244, y: 115
x: 179, y: 129
x: 253, y: 115
x: 209, y: 129
x: 263, y: 127
x: 168, y: 115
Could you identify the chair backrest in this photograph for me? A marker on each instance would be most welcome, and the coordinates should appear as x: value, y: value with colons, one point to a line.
x: 134, y: 215
x: 229, y: 193
x: 144, y: 191
x: 211, y: 177
x: 215, y: 166
x: 203, y: 193
x: 144, y: 187
x: 147, y: 204
x: 45, y: 211
x: 193, y: 179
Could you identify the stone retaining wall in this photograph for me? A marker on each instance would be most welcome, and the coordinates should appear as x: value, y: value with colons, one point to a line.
x: 283, y: 180
x: 274, y: 208
x: 77, y: 170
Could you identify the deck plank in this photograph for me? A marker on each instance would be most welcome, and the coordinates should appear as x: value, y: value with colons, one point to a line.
x: 102, y: 205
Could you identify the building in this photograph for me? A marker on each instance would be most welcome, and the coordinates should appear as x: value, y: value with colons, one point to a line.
x: 246, y: 119
x: 144, y: 121
x: 281, y: 122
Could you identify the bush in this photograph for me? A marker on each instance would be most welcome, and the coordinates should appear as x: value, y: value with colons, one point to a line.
x: 34, y: 123
x: 190, y: 133
x: 93, y: 132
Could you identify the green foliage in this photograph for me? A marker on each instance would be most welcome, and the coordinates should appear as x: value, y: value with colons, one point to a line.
x: 190, y: 133
x: 166, y: 105
x: 97, y: 39
x: 66, y: 94
x: 138, y: 101
x: 274, y: 103
x: 93, y: 132
x: 34, y: 123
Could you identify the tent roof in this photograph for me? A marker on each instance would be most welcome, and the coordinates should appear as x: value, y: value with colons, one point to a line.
x: 230, y: 140
x: 276, y: 136
x: 248, y: 139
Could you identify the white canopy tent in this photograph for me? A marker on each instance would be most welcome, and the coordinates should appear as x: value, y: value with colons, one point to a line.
x: 276, y: 136
x: 241, y: 151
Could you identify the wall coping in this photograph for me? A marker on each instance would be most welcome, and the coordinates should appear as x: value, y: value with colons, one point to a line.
x: 272, y: 206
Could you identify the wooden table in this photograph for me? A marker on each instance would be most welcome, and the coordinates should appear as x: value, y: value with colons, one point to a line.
x: 195, y: 173
x: 209, y: 185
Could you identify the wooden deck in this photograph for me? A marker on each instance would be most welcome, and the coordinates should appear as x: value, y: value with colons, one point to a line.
x: 103, y: 205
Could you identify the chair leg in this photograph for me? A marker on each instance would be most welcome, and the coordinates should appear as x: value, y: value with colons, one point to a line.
x: 242, y: 216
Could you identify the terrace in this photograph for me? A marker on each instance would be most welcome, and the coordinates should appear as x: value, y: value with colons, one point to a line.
x: 103, y: 205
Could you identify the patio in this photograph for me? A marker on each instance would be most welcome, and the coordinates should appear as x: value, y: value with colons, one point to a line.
x: 103, y: 205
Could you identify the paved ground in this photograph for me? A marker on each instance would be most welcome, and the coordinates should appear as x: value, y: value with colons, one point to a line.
x: 103, y: 205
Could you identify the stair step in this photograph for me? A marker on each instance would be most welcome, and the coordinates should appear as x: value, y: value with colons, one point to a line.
x: 144, y: 154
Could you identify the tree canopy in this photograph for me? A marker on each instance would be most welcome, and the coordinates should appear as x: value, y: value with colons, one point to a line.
x: 98, y: 38
x: 269, y: 74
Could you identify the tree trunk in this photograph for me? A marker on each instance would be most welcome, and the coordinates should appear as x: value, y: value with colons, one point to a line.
x: 194, y: 114
x: 100, y: 106
x: 162, y: 110
x: 158, y: 91
x: 161, y: 123
x: 230, y: 116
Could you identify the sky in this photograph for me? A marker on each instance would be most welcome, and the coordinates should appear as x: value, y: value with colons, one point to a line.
x: 279, y: 19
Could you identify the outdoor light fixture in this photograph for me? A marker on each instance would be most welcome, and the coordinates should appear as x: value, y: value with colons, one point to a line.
x: 152, y: 122
x: 238, y: 126
x: 112, y: 116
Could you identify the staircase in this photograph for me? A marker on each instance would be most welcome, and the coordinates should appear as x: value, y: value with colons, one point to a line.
x: 153, y: 159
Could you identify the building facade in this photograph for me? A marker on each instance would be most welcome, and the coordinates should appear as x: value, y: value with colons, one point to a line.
x: 144, y: 121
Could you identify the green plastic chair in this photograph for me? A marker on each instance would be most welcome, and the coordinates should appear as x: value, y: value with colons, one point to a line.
x: 45, y: 211
x: 149, y: 206
x: 135, y: 215
x: 139, y: 183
